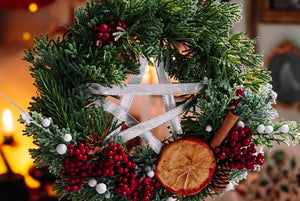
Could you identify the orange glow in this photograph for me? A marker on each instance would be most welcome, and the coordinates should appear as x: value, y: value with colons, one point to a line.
x: 17, y: 84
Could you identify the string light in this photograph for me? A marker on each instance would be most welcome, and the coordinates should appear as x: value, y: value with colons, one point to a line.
x: 26, y: 36
x: 33, y: 7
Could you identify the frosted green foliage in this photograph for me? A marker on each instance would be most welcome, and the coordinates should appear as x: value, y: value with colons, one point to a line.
x: 257, y: 106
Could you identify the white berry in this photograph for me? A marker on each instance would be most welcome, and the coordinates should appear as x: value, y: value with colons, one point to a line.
x: 92, y: 183
x: 261, y: 128
x: 67, y: 137
x: 241, y: 124
x: 284, y: 128
x: 269, y: 129
x: 25, y: 117
x: 107, y: 195
x: 208, y: 128
x: 150, y: 174
x: 61, y: 149
x: 101, y: 188
x: 46, y: 123
x: 170, y: 199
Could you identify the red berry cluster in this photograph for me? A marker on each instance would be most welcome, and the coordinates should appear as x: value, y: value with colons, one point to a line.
x: 116, y: 162
x: 76, y: 166
x: 233, y: 103
x: 104, y: 32
x: 133, y: 188
x: 238, y: 151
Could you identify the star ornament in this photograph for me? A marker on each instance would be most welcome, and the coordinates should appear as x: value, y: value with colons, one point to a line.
x: 164, y: 88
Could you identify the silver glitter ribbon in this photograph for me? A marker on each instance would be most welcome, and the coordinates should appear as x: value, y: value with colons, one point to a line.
x: 133, y: 88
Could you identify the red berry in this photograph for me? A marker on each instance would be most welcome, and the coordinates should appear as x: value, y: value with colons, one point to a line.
x: 110, y: 153
x: 222, y: 156
x: 244, y: 150
x: 232, y: 143
x: 250, y: 167
x: 77, y: 151
x: 67, y: 160
x: 235, y: 127
x: 237, y: 156
x: 260, y: 156
x: 83, y: 151
x: 241, y: 133
x: 124, y: 193
x: 68, y: 188
x: 81, y: 145
x: 246, y: 141
x: 118, y: 190
x: 111, y: 144
x: 237, y: 165
x: 246, y: 129
x: 99, y: 42
x: 146, y: 180
x: 231, y: 165
x: 121, y: 170
x: 260, y: 161
x: 75, y: 188
x: 106, y: 36
x: 249, y: 155
x: 132, y: 176
x: 111, y: 23
x: 114, y: 148
x: 234, y: 135
x: 119, y: 146
x: 95, y: 28
x: 103, y: 28
x: 240, y: 92
x: 83, y: 174
x: 98, y: 35
x: 119, y: 24
x: 235, y: 149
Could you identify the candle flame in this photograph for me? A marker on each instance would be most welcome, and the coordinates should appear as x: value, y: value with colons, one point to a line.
x: 7, y: 120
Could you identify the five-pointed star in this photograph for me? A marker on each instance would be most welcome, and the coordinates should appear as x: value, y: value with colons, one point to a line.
x: 164, y: 88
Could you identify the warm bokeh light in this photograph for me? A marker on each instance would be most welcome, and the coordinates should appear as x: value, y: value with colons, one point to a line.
x: 26, y: 36
x: 17, y: 84
x: 7, y: 121
x: 33, y: 7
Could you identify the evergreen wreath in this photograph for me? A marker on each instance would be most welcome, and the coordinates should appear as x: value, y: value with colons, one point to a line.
x: 104, y: 46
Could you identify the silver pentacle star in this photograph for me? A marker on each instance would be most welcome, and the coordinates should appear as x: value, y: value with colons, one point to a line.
x: 164, y: 88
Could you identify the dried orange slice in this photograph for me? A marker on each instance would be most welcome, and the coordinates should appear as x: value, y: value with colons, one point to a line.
x: 186, y: 166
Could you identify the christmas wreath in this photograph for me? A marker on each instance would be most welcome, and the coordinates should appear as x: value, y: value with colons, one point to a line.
x: 227, y: 107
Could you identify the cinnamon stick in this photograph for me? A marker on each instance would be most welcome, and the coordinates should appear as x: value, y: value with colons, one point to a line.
x: 224, y: 129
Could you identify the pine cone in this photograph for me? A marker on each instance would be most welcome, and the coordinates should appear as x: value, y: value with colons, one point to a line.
x: 220, y: 179
x: 95, y: 145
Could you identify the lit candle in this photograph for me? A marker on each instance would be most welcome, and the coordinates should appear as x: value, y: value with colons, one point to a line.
x: 7, y: 120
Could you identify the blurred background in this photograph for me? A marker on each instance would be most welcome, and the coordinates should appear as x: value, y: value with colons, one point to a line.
x: 276, y: 24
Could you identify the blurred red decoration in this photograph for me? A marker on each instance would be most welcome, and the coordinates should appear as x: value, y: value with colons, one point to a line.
x: 23, y: 4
